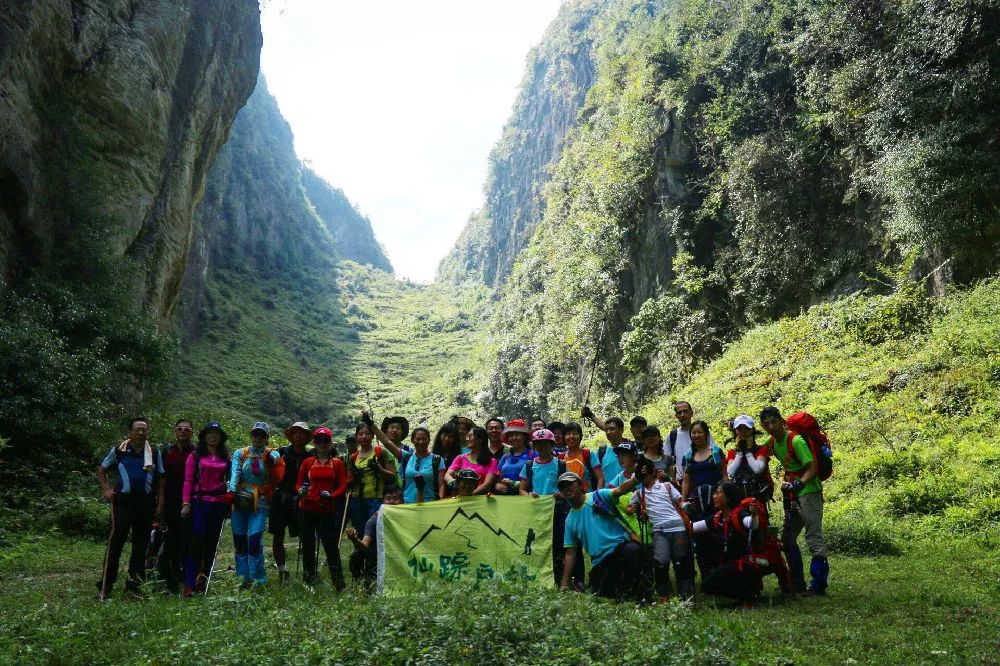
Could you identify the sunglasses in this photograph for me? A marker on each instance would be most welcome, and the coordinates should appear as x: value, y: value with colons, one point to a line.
x: 323, y: 440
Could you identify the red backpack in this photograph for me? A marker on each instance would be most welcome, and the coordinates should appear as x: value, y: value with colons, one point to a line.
x: 763, y: 548
x: 804, y: 424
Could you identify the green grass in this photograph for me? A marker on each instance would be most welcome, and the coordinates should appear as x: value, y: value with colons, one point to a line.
x: 935, y: 604
x: 312, y: 347
x: 913, y: 411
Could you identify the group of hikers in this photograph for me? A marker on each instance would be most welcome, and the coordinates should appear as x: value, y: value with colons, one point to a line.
x: 636, y: 507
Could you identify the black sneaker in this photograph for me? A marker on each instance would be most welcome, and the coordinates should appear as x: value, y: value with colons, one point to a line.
x: 283, y: 576
x: 246, y: 584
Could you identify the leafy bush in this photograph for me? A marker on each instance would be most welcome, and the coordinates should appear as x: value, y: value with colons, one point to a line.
x: 84, y: 517
x: 853, y: 535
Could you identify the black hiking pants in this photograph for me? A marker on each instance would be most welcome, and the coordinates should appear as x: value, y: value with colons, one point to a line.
x: 326, y: 527
x: 562, y: 508
x: 619, y: 575
x: 175, y: 547
x: 727, y: 580
x: 129, y: 514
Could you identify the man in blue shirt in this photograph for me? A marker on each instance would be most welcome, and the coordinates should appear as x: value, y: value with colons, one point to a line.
x: 137, y: 497
x: 596, y: 525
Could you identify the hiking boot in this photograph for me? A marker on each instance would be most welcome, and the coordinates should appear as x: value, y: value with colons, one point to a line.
x: 309, y: 578
x: 201, y: 583
x: 283, y: 576
x: 814, y: 593
x: 188, y: 592
x: 247, y: 584
x: 748, y: 605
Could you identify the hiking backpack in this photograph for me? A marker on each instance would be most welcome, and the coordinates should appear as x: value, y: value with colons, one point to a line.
x: 435, y: 466
x: 268, y: 463
x: 591, y: 476
x: 804, y: 424
x: 763, y: 548
x: 529, y: 470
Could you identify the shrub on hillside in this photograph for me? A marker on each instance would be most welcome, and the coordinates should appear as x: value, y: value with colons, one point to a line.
x: 855, y: 535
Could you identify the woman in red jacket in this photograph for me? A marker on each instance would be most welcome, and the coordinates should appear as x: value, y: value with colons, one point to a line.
x: 321, y: 486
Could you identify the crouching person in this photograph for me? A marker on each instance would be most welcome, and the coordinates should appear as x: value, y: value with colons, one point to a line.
x: 363, y: 562
x: 749, y: 553
x: 596, y: 525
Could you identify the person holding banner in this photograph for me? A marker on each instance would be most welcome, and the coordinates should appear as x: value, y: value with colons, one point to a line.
x: 596, y: 524
x: 363, y: 562
x: 541, y: 477
x: 478, y: 459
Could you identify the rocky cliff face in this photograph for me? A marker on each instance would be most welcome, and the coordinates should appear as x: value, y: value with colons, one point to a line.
x: 352, y: 232
x: 111, y: 112
x: 265, y: 213
x: 559, y: 72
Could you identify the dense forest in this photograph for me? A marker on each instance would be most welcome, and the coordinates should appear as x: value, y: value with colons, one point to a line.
x: 731, y: 163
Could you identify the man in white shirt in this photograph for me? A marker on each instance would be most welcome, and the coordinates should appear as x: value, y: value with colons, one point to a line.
x: 679, y: 439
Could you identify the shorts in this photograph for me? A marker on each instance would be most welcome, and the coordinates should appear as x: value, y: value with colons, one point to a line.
x: 280, y: 518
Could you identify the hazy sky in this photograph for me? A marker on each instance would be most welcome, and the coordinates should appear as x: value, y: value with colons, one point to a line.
x: 399, y: 102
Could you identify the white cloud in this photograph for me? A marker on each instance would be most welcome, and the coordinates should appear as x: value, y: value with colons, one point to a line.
x: 399, y: 103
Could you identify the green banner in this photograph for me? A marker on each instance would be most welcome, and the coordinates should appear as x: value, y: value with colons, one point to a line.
x: 465, y: 540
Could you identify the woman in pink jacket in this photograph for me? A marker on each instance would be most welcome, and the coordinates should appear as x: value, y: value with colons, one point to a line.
x: 205, y: 503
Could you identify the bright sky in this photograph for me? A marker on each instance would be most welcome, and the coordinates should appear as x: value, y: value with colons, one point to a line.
x: 399, y: 102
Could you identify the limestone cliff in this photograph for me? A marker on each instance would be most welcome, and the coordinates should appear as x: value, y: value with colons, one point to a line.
x: 265, y: 213
x: 111, y: 112
x: 559, y: 72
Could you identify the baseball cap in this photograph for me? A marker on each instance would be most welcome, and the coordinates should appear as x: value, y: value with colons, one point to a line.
x: 627, y: 447
x: 568, y: 477
x: 743, y: 420
x: 260, y: 425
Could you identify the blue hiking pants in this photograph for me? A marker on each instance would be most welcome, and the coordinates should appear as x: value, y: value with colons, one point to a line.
x: 248, y: 540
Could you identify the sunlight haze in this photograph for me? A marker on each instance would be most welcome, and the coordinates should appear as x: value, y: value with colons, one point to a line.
x: 399, y: 103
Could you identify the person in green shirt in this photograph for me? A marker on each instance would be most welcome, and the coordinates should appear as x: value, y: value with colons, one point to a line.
x: 804, y: 501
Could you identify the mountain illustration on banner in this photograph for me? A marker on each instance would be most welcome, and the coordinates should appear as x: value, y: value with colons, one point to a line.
x: 474, y: 529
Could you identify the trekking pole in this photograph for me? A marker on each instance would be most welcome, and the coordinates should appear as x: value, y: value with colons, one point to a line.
x: 211, y: 569
x: 298, y: 548
x: 343, y: 521
x: 593, y: 366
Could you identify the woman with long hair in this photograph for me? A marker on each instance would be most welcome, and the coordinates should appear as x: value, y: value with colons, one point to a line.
x: 447, y: 444
x: 739, y: 529
x: 372, y: 469
x: 704, y: 469
x: 478, y: 459
x: 204, y: 501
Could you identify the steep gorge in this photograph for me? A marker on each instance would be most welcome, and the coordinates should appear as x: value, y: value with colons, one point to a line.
x: 732, y: 163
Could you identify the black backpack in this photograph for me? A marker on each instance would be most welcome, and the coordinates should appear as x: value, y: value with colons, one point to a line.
x: 435, y: 466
